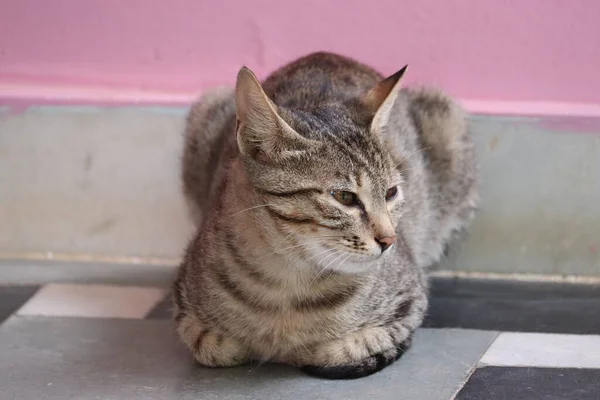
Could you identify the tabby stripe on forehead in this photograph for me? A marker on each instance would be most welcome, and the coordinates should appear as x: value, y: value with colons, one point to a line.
x: 326, y: 300
x: 353, y: 148
x: 238, y: 293
x: 292, y: 193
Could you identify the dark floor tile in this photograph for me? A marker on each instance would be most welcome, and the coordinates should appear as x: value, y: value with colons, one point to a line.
x: 525, y: 383
x: 514, y: 306
x: 163, y: 310
x: 13, y: 297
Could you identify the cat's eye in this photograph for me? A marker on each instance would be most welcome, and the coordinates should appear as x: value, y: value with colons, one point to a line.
x: 344, y: 197
x: 391, y: 193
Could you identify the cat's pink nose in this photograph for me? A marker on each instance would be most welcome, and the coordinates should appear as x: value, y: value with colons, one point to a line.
x: 385, y: 242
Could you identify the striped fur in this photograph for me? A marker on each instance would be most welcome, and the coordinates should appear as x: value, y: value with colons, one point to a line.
x: 281, y: 271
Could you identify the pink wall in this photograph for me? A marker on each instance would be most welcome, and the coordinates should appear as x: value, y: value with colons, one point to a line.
x: 495, y: 51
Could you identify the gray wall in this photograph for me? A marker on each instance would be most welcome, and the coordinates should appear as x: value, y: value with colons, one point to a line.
x: 101, y: 185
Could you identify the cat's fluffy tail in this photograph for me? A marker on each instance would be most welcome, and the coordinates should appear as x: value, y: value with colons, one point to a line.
x: 443, y: 130
x: 206, y: 121
x: 441, y: 123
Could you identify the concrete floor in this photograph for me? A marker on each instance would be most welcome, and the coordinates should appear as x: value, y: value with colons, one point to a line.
x: 116, y: 342
x: 68, y: 358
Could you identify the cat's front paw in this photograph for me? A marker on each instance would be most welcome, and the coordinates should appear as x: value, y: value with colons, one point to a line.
x: 360, y: 354
x: 214, y: 350
x: 211, y: 349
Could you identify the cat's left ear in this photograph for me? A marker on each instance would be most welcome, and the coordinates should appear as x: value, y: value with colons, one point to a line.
x: 379, y: 100
x: 262, y: 134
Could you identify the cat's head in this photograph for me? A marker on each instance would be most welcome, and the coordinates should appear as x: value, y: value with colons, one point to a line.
x: 325, y: 175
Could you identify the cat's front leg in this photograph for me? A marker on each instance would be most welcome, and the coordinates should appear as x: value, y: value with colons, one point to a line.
x: 209, y: 348
x: 361, y: 353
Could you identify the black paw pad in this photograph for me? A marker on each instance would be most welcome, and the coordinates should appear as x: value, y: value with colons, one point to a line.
x: 359, y: 369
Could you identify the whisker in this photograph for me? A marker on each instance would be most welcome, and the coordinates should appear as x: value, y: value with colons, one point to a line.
x: 332, y: 236
x: 300, y: 250
x: 321, y: 270
x: 305, y: 243
x: 334, y: 260
x: 329, y: 255
x: 286, y: 238
x: 250, y: 208
x: 318, y: 254
x: 293, y: 247
x: 294, y: 252
x: 412, y: 154
x: 344, y: 260
x: 405, y: 169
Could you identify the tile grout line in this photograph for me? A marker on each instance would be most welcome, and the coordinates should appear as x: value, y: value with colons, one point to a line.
x: 171, y: 262
x: 520, y: 277
x: 79, y: 257
x: 475, y: 366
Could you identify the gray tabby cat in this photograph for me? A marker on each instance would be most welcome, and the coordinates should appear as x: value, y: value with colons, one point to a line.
x: 321, y: 196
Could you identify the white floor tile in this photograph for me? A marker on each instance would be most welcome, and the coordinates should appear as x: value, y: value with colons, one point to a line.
x: 544, y: 350
x: 92, y: 301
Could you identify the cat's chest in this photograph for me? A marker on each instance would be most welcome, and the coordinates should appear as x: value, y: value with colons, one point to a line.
x: 286, y: 333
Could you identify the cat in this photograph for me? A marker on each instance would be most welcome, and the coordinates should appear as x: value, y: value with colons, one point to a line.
x: 320, y: 196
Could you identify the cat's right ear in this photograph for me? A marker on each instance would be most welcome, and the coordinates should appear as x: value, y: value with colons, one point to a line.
x: 379, y: 101
x: 261, y: 132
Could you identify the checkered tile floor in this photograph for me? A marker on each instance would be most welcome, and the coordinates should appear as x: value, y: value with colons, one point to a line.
x: 482, y: 340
